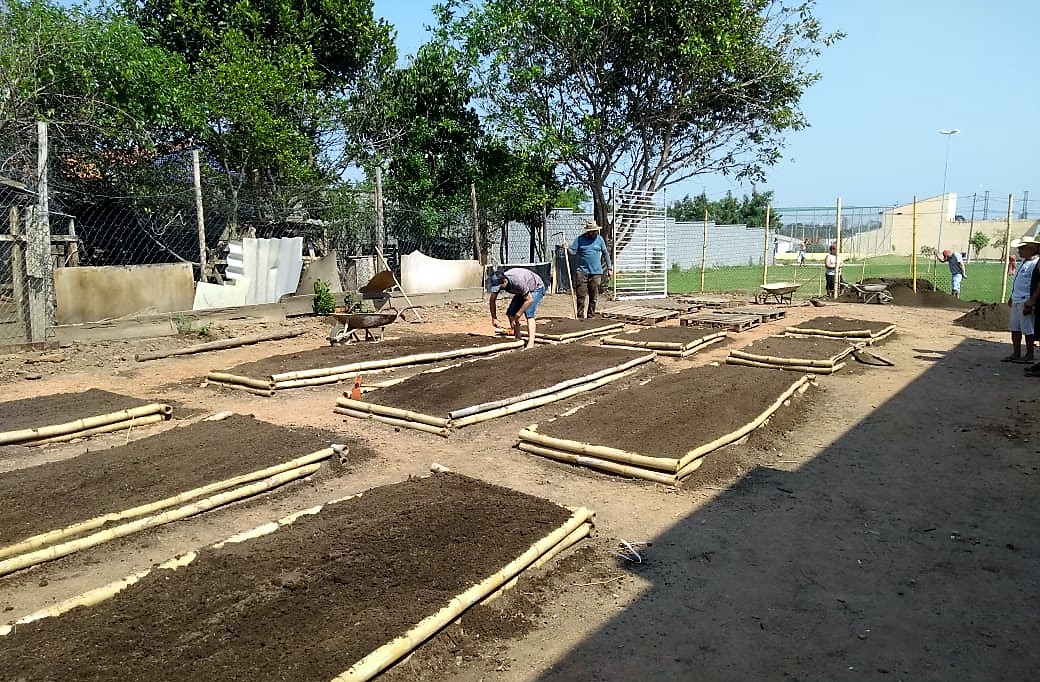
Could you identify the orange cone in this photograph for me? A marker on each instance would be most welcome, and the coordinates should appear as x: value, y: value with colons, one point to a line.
x: 355, y: 393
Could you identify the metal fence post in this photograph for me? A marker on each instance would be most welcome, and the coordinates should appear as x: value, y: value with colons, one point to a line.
x: 704, y: 249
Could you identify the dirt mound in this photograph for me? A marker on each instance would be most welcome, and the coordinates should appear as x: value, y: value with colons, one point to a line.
x: 992, y: 317
x: 926, y: 296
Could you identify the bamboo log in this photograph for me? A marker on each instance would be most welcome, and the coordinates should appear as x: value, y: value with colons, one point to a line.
x: 387, y: 411
x: 383, y: 657
x: 539, y: 401
x: 81, y: 527
x: 690, y: 467
x: 660, y: 345
x: 666, y: 464
x: 396, y: 362
x: 579, y: 534
x: 428, y: 428
x: 55, y: 551
x: 266, y: 392
x: 805, y: 362
x: 484, y: 407
x: 107, y: 428
x: 793, y: 368
x: 52, y: 430
x: 315, y: 381
x: 858, y: 334
x: 267, y: 528
x: 744, y: 430
x: 225, y: 378
x: 601, y: 464
x: 219, y: 345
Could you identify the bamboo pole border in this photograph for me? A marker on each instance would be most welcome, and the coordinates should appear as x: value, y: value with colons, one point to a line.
x: 64, y: 549
x: 804, y: 362
x: 666, y: 464
x: 386, y: 655
x: 858, y: 334
x: 108, y: 428
x: 810, y: 369
x: 572, y: 336
x: 26, y: 436
x: 404, y: 423
x: 662, y: 345
x: 388, y: 411
x: 691, y: 351
x: 267, y: 393
x: 220, y: 345
x: 43, y: 539
x: 601, y: 464
x: 456, y: 415
x: 577, y: 527
x: 415, y: 359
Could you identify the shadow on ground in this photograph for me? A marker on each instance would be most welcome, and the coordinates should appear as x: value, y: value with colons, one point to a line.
x: 906, y: 550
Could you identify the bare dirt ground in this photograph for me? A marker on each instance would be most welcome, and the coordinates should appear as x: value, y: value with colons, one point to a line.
x: 886, y: 529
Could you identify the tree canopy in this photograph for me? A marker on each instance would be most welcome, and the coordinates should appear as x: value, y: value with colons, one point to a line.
x: 748, y: 210
x: 642, y: 94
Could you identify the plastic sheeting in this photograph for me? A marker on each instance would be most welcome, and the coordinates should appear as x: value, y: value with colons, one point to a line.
x: 270, y: 266
x: 421, y: 274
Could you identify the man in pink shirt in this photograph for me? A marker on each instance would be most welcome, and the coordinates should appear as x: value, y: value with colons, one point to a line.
x: 527, y: 289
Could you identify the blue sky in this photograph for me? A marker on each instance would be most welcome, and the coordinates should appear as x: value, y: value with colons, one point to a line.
x: 905, y: 70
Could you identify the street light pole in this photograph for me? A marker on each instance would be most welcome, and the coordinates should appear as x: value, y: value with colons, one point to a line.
x: 946, y: 168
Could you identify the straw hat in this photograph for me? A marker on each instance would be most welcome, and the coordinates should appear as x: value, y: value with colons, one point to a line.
x: 592, y: 226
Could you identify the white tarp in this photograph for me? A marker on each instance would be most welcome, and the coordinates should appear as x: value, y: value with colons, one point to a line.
x: 209, y: 296
x: 421, y: 274
x: 270, y: 266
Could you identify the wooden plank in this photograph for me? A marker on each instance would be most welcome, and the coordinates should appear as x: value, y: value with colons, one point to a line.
x: 764, y: 313
x: 730, y: 321
x: 638, y: 314
x: 669, y: 304
x: 713, y: 301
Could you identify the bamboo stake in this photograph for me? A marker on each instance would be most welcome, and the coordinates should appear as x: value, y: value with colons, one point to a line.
x: 387, y: 411
x: 383, y: 657
x: 484, y: 407
x: 52, y: 430
x: 602, y: 464
x: 49, y: 537
x: 666, y: 464
x: 219, y: 345
x: 226, y: 378
x: 440, y: 431
x: 108, y: 428
x: 384, y: 363
x: 66, y: 548
x: 538, y: 402
x: 814, y: 369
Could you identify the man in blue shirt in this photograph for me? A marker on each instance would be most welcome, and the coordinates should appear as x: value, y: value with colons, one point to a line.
x: 956, y: 263
x: 592, y: 255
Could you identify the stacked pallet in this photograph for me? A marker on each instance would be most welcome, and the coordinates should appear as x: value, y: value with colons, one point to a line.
x: 661, y: 431
x: 734, y: 322
x: 672, y: 341
x: 639, y: 314
x: 807, y: 355
x: 864, y: 332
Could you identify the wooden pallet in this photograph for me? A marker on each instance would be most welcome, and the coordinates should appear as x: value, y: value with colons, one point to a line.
x: 638, y: 314
x: 713, y: 301
x: 765, y: 313
x: 735, y: 322
x: 672, y: 304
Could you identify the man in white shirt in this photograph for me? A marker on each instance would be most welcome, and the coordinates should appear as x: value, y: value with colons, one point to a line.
x: 1023, y: 297
x: 832, y: 269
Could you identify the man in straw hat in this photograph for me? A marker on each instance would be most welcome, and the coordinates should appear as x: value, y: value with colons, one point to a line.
x: 592, y: 255
x: 1025, y: 287
x: 956, y: 263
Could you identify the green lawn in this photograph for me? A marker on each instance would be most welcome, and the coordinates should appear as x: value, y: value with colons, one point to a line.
x: 983, y: 282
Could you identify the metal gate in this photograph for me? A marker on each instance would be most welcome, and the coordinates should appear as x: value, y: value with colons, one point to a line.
x: 640, y: 246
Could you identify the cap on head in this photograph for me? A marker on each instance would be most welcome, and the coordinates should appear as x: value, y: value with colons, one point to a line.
x: 592, y: 226
x: 497, y: 281
x: 946, y: 252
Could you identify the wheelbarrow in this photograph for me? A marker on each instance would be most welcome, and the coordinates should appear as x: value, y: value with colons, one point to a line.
x: 347, y: 327
x: 778, y: 292
x: 870, y: 293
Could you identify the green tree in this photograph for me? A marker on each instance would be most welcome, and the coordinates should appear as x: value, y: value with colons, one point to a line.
x: 572, y: 197
x: 642, y: 94
x: 979, y: 241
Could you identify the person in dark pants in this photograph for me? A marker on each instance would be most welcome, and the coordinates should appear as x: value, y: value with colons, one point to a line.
x: 592, y: 255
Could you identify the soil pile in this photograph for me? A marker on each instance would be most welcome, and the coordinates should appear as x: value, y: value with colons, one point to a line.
x: 926, y: 296
x: 992, y: 317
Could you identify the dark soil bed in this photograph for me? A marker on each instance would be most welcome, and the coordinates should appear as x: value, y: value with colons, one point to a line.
x: 794, y: 348
x: 677, y: 335
x: 491, y: 379
x: 992, y: 317
x: 926, y: 296
x: 301, y: 604
x: 675, y: 413
x: 843, y: 324
x: 56, y: 494
x: 334, y: 356
x: 46, y: 410
x: 558, y: 326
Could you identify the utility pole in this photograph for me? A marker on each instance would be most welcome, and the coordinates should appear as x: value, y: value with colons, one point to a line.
x: 971, y: 225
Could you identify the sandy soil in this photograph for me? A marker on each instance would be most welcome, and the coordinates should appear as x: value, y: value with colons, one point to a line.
x: 888, y: 530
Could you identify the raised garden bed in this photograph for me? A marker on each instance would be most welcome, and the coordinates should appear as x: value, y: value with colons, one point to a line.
x: 661, y: 431
x: 673, y: 341
x: 440, y: 401
x: 552, y: 330
x: 56, y: 418
x: 338, y: 363
x: 813, y: 354
x: 58, y: 508
x: 335, y: 592
x: 856, y: 331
